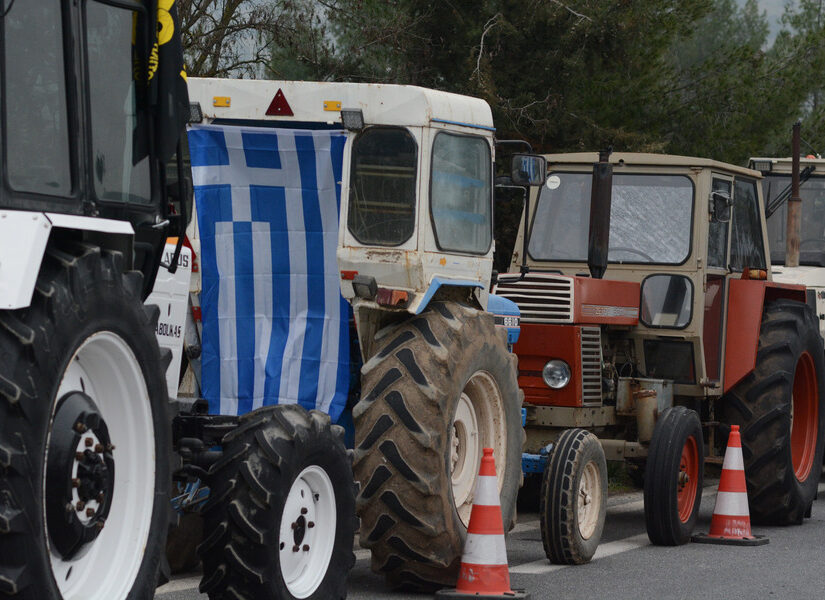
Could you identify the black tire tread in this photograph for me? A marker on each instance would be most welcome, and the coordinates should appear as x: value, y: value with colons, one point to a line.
x: 673, y: 428
x: 74, y: 278
x: 402, y: 429
x: 559, y: 527
x: 760, y: 405
x: 249, y: 485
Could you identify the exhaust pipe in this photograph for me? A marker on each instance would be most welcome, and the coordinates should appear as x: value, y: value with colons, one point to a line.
x: 794, y: 224
x: 599, y: 235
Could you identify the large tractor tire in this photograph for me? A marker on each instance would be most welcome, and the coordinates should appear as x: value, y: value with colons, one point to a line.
x: 673, y: 477
x: 573, y: 498
x: 443, y: 387
x: 779, y: 409
x: 280, y: 522
x: 84, y: 435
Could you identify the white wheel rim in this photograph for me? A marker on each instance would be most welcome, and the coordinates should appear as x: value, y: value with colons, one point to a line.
x: 479, y: 423
x: 308, y: 523
x: 105, y: 368
x: 589, y: 501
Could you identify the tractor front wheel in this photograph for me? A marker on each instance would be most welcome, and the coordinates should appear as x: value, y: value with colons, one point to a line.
x: 673, y: 477
x: 280, y: 521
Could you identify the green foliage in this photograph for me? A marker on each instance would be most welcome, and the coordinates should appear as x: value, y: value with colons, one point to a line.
x: 689, y: 77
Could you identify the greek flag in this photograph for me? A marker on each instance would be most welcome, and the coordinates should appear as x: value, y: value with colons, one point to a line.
x: 275, y: 327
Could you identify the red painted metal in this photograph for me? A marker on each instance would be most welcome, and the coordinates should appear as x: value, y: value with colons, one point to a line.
x: 605, y: 301
x: 805, y: 417
x: 539, y: 343
x: 746, y: 298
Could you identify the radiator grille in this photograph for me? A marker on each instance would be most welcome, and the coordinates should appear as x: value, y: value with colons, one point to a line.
x: 591, y: 348
x: 541, y: 297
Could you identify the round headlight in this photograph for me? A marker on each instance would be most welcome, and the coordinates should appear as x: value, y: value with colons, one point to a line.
x: 556, y: 374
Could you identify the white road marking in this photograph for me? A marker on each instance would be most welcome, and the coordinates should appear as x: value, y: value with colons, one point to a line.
x: 540, y: 567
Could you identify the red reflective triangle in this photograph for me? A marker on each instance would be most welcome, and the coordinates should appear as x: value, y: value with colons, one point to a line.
x: 279, y: 107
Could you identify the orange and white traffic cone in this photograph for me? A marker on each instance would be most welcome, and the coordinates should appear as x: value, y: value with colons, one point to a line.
x: 731, y: 522
x: 484, y: 572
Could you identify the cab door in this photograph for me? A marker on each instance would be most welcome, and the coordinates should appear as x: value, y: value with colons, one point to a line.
x: 716, y: 275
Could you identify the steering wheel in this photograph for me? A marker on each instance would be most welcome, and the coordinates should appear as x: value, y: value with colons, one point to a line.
x: 647, y: 257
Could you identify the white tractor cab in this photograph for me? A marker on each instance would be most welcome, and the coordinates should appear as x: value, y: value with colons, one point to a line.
x: 776, y: 186
x: 311, y: 198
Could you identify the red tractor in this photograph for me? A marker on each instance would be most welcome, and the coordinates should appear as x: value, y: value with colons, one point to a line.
x: 650, y: 323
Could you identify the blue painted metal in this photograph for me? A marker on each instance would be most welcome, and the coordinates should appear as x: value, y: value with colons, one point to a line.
x: 536, y: 463
x: 533, y: 463
x: 436, y: 283
x: 445, y: 121
x: 192, y: 497
x: 505, y: 311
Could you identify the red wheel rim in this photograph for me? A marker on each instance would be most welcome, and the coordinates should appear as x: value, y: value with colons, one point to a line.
x: 688, y: 479
x: 805, y: 417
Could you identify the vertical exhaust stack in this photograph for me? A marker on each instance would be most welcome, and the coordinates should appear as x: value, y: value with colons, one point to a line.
x: 599, y: 236
x: 794, y: 225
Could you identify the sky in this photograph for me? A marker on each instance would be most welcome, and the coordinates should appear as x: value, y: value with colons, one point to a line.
x: 773, y: 9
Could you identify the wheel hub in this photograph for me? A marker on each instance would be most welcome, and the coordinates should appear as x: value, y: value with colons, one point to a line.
x: 80, y: 474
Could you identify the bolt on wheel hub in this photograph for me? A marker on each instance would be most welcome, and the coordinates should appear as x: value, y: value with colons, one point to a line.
x: 80, y: 474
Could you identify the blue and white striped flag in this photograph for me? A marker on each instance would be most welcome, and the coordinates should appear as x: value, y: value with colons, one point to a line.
x: 275, y: 327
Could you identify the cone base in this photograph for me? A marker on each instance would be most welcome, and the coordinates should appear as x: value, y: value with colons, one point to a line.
x: 704, y: 538
x: 459, y: 595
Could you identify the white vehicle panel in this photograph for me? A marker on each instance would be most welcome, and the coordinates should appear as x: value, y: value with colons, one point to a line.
x: 171, y: 295
x: 23, y: 239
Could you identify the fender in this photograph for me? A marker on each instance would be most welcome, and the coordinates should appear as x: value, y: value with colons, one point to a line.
x: 23, y: 239
x: 746, y: 300
x: 417, y: 306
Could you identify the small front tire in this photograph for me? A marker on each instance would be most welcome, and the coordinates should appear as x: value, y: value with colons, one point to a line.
x: 280, y: 522
x: 573, y: 498
x: 673, y: 477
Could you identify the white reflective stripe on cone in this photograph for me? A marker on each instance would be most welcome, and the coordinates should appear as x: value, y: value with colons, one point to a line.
x: 486, y: 493
x: 733, y: 459
x: 484, y: 550
x: 731, y: 504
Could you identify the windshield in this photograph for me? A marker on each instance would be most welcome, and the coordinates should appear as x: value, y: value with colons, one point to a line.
x: 812, y: 236
x: 650, y: 218
x: 461, y: 193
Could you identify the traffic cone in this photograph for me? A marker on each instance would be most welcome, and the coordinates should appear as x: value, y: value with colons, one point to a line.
x: 484, y: 572
x: 731, y: 522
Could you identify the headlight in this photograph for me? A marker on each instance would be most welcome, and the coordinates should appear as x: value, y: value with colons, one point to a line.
x: 556, y: 374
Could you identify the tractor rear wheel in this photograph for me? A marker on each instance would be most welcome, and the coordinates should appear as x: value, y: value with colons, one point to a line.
x: 280, y: 520
x: 779, y: 408
x: 442, y: 387
x: 84, y: 434
x: 673, y: 477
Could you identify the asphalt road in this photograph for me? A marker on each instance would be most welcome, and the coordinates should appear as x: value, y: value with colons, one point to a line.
x: 791, y: 566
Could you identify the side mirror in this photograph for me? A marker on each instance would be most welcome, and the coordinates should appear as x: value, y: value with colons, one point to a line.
x: 720, y: 207
x: 529, y: 169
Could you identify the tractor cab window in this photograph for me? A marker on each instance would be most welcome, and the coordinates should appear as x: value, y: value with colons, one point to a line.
x: 812, y: 236
x: 382, y: 186
x: 461, y: 193
x: 650, y: 218
x: 116, y: 140
x: 746, y: 249
x: 36, y: 116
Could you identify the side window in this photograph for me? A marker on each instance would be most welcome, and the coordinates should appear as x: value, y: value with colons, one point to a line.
x: 115, y: 133
x: 718, y: 232
x: 746, y: 249
x: 37, y: 124
x: 461, y: 193
x: 382, y: 186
